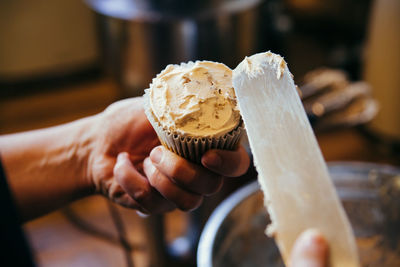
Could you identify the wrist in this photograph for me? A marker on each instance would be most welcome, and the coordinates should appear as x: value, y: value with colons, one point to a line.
x: 85, y: 152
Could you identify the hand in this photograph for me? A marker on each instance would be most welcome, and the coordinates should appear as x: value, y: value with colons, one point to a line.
x: 309, y: 250
x: 129, y: 166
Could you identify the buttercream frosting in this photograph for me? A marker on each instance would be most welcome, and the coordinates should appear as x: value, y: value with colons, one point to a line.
x: 195, y: 99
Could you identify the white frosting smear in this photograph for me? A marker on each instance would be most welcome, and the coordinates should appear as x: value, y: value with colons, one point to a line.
x: 254, y: 65
x: 195, y: 99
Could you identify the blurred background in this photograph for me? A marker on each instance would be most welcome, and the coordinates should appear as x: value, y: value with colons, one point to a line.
x: 64, y: 59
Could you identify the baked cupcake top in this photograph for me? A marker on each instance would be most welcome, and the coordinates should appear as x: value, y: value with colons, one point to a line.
x: 195, y: 99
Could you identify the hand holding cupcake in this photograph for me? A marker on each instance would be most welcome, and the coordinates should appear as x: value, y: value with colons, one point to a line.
x: 192, y: 108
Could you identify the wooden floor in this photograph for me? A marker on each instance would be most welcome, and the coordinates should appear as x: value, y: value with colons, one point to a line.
x: 58, y: 241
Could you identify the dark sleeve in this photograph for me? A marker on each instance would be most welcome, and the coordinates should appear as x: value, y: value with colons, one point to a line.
x: 14, y: 250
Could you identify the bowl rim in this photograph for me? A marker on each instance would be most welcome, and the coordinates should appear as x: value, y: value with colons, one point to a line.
x: 210, y: 230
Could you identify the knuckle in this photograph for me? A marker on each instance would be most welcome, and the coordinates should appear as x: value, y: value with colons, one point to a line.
x: 190, y: 204
x: 116, y: 194
x: 126, y: 202
x: 165, y: 207
x: 141, y: 194
x: 178, y: 169
x: 207, y: 183
x: 215, y: 186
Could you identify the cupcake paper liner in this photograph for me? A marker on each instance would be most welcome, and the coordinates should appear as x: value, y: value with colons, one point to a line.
x: 190, y: 147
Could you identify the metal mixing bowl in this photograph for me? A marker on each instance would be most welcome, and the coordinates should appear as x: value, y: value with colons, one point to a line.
x: 370, y: 193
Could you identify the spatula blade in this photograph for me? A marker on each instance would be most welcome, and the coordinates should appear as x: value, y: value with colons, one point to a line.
x: 298, y: 191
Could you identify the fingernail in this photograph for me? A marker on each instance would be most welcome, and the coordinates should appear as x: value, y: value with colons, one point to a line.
x: 156, y: 155
x: 212, y: 160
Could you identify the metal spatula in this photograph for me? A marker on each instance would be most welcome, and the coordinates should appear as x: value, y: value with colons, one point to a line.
x: 292, y: 172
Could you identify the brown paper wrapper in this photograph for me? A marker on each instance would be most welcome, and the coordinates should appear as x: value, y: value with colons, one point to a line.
x: 191, y: 147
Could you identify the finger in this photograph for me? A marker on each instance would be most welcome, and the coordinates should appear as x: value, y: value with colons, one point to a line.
x: 119, y: 196
x: 138, y: 187
x: 183, y: 199
x: 225, y: 162
x: 185, y: 174
x: 309, y: 250
x: 126, y: 201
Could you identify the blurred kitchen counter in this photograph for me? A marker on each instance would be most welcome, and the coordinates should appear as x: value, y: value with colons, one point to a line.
x: 53, y: 106
x: 57, y: 241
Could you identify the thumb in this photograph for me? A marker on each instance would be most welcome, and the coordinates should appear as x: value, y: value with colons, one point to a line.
x: 309, y: 250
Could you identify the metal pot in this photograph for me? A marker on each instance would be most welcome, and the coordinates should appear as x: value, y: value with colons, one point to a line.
x: 139, y: 38
x: 370, y: 193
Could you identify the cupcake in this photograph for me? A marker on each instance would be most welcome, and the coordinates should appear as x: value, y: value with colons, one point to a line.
x: 193, y: 108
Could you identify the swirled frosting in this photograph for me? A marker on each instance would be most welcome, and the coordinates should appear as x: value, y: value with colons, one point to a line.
x: 195, y: 99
